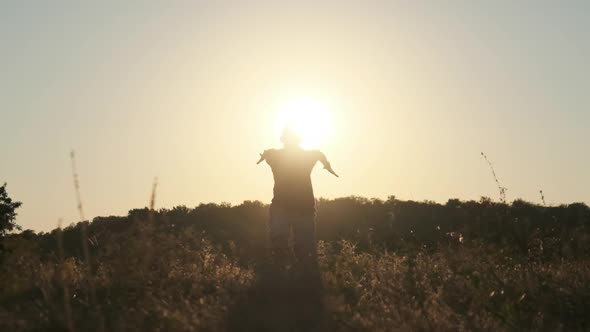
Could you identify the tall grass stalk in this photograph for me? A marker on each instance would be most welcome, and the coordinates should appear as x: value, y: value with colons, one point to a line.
x: 67, y: 306
x: 84, y: 234
x: 146, y: 233
x: 501, y: 189
x: 153, y: 196
x: 84, y: 231
x: 153, y: 200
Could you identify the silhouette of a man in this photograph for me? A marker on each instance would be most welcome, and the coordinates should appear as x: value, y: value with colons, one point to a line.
x: 293, y: 203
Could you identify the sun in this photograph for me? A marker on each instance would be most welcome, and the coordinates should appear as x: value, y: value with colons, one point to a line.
x: 309, y: 118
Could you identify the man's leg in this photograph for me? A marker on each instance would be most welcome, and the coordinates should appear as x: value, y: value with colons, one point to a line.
x: 305, y: 240
x: 279, y: 228
x: 307, y: 268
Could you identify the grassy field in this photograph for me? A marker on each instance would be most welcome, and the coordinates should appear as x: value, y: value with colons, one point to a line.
x: 384, y: 266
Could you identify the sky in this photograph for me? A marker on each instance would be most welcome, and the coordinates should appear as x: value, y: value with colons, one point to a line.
x: 410, y: 94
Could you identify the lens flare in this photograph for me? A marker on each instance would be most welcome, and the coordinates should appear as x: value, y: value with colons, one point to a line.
x: 309, y: 118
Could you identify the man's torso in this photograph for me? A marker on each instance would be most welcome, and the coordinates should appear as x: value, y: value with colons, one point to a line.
x: 291, y: 170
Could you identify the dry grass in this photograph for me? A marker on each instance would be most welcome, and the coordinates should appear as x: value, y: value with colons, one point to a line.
x: 190, y: 284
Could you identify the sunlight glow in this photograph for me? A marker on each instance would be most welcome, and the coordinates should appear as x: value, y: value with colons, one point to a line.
x: 309, y: 118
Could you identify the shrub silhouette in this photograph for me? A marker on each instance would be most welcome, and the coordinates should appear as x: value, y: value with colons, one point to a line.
x: 7, y: 212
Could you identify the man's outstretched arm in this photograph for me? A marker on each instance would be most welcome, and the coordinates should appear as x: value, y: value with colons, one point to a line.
x: 261, y: 158
x: 322, y: 159
x: 267, y: 156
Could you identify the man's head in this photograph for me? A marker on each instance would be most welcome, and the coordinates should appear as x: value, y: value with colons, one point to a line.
x: 290, y: 137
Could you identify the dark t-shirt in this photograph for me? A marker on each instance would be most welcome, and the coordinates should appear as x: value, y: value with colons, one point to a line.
x: 291, y: 169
